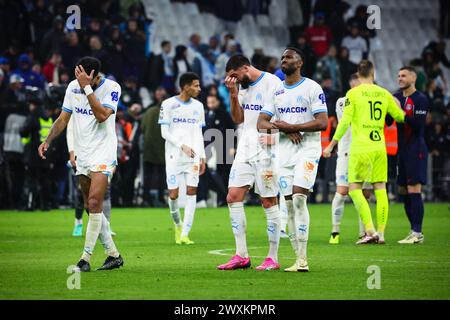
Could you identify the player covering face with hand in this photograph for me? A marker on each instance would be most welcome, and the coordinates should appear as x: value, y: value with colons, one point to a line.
x: 252, y: 164
x: 182, y: 118
x: 91, y: 101
x: 301, y: 113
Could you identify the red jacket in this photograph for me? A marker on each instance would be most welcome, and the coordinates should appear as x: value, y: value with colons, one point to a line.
x: 319, y: 38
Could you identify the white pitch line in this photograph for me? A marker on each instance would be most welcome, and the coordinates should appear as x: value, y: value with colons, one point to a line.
x: 222, y: 252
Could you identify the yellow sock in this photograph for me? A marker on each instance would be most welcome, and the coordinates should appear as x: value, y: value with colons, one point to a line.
x: 382, y: 209
x: 362, y: 206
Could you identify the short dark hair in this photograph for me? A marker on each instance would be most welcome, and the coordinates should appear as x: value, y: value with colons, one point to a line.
x: 236, y: 61
x: 409, y: 68
x: 298, y: 51
x: 89, y: 64
x: 187, y: 78
x: 365, y: 68
x: 164, y: 43
x: 353, y: 77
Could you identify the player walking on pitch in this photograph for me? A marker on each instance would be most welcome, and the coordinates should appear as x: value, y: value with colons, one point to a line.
x: 366, y: 108
x: 301, y: 113
x: 252, y: 164
x: 338, y: 203
x: 412, y: 152
x: 182, y: 118
x: 92, y: 102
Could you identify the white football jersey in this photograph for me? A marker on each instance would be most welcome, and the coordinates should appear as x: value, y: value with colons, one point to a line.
x: 296, y: 104
x: 344, y: 143
x: 185, y: 121
x: 260, y: 94
x: 95, y: 143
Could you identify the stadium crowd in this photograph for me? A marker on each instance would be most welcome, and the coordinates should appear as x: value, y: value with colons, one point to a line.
x: 38, y: 55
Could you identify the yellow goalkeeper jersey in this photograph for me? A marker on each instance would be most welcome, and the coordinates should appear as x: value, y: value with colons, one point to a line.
x: 365, y: 110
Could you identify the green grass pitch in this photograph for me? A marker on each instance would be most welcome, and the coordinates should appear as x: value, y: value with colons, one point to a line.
x: 37, y: 247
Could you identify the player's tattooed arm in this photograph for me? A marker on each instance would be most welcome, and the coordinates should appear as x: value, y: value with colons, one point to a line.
x: 237, y: 114
x: 320, y: 123
x: 58, y: 126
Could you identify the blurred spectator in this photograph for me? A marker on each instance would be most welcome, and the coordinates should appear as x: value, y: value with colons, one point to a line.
x: 30, y: 77
x: 421, y: 80
x: 439, y: 147
x: 222, y: 60
x: 116, y: 53
x: 328, y: 66
x: 52, y: 68
x: 154, y: 146
x: 271, y: 64
x: 160, y: 69
x: 216, y: 177
x: 180, y: 64
x: 309, y: 65
x: 229, y: 12
x: 97, y: 51
x: 71, y: 50
x: 135, y: 43
x: 438, y: 51
x: 203, y: 66
x: 346, y: 67
x: 41, y: 18
x: 355, y: 44
x: 130, y: 93
x: 54, y: 38
x: 214, y: 47
x: 13, y: 156
x: 258, y: 58
x: 334, y: 12
x: 360, y: 20
x: 192, y: 47
x: 37, y: 178
x: 130, y: 167
x: 319, y: 35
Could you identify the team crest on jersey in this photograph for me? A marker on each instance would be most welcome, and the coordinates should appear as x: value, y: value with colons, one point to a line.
x: 115, y: 96
x: 175, y: 106
x: 259, y: 97
x: 196, y: 113
x: 347, y: 102
x: 408, y: 107
x: 77, y: 91
x: 322, y: 98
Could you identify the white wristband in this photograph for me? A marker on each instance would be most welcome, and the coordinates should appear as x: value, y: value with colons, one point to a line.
x: 88, y: 90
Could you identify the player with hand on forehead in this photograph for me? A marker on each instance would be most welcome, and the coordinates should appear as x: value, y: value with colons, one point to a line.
x: 253, y: 163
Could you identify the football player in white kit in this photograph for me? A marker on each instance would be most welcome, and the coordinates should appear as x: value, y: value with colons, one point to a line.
x: 92, y: 102
x: 341, y: 195
x: 301, y: 113
x: 182, y: 118
x: 252, y: 164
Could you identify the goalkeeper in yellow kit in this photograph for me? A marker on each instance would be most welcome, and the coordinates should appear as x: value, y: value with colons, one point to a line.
x: 365, y: 110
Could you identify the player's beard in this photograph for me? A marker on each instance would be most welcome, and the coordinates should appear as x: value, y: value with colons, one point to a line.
x: 288, y: 70
x: 245, y: 82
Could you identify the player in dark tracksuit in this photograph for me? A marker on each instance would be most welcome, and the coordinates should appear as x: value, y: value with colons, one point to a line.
x: 412, y: 151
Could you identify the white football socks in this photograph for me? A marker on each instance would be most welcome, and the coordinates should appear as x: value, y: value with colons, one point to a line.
x: 273, y: 230
x: 92, y: 232
x: 283, y: 213
x: 189, y: 211
x: 175, y: 212
x: 78, y: 221
x: 106, y: 239
x: 337, y: 210
x: 239, y: 226
x: 291, y: 225
x: 301, y: 222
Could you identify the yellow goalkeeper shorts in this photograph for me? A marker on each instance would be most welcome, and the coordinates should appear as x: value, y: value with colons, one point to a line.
x: 368, y: 167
